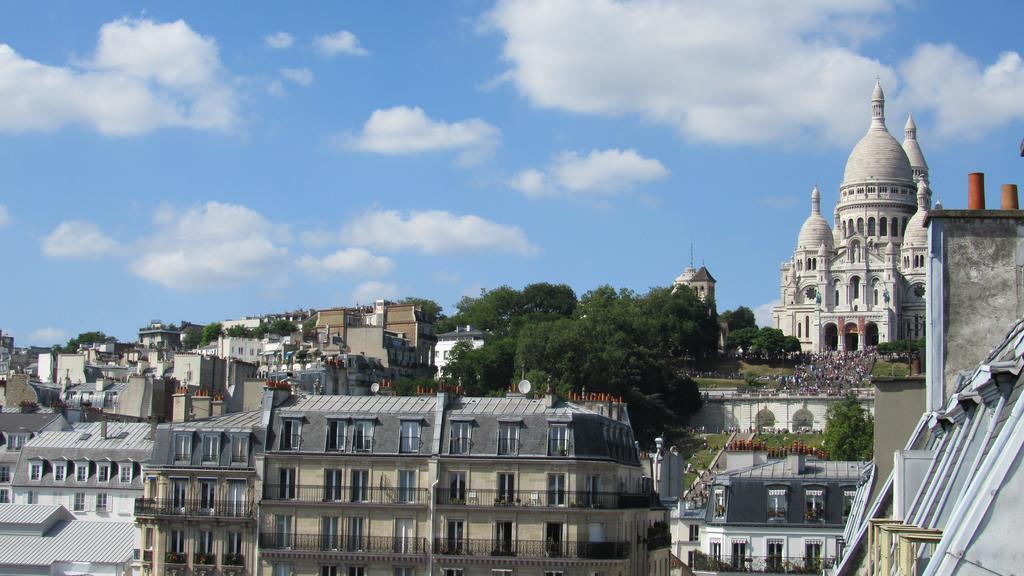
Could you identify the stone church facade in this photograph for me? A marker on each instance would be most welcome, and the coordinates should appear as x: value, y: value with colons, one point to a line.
x: 861, y: 280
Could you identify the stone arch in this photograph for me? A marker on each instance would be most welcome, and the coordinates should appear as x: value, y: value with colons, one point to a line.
x: 803, y: 419
x: 860, y: 226
x: 871, y: 334
x: 831, y: 339
x: 851, y: 337
x: 765, y: 419
x: 871, y: 226
x: 883, y: 226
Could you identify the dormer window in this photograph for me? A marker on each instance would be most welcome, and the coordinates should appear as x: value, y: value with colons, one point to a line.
x: 81, y: 471
x: 814, y: 505
x: 211, y: 448
x: 558, y: 440
x: 239, y: 449
x: 409, y: 441
x: 336, y: 435
x: 718, y: 503
x: 291, y: 433
x: 15, y: 441
x: 60, y: 471
x: 362, y: 436
x: 35, y: 471
x: 778, y: 504
x: 460, y: 438
x: 182, y: 446
x: 848, y: 495
x: 103, y: 472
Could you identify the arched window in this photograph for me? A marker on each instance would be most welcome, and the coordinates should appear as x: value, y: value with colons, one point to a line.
x: 854, y: 288
x: 895, y: 226
x: 799, y: 330
x: 807, y: 326
x: 849, y: 226
x: 871, y: 226
x: 860, y: 225
x: 874, y: 292
x: 814, y: 263
x: 883, y: 229
x: 905, y: 226
x: 844, y: 230
x: 835, y: 285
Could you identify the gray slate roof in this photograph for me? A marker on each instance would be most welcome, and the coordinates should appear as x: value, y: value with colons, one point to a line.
x: 68, y: 541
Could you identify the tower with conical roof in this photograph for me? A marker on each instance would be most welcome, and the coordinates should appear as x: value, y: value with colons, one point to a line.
x: 849, y: 286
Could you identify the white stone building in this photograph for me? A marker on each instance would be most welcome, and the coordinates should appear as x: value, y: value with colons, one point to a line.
x: 861, y: 281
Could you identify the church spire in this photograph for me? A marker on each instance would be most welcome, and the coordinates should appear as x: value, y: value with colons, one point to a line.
x: 816, y: 201
x: 878, y: 107
x: 910, y: 130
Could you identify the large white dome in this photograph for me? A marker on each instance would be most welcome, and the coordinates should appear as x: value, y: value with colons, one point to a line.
x: 878, y: 156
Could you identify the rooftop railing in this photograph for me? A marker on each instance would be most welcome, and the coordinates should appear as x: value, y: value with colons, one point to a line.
x: 531, y: 548
x: 193, y: 507
x: 543, y: 498
x: 761, y: 564
x: 342, y: 543
x: 351, y: 494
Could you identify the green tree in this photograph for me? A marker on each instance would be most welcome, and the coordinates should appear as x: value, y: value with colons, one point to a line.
x: 740, y: 318
x: 769, y: 341
x: 849, y: 431
x: 282, y: 327
x: 791, y: 344
x: 238, y: 331
x: 431, y: 310
x: 211, y: 332
x: 84, y: 338
x: 193, y: 335
x: 742, y: 338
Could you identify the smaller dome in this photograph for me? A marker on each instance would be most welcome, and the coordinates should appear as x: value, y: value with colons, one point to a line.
x: 815, y: 230
x: 911, y: 146
x: 916, y: 235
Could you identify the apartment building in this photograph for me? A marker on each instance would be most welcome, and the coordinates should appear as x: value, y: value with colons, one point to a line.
x: 15, y: 430
x: 94, y: 469
x: 455, y: 486
x: 198, y: 512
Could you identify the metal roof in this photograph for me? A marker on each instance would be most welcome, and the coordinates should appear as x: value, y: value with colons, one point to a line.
x: 363, y: 404
x: 231, y: 421
x: 28, y: 513
x: 813, y: 470
x: 71, y: 541
x: 86, y: 435
x: 20, y: 422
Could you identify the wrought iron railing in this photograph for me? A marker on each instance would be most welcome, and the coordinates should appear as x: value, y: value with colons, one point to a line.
x: 761, y: 564
x: 342, y: 543
x: 193, y: 507
x: 337, y: 493
x: 543, y: 498
x: 530, y: 548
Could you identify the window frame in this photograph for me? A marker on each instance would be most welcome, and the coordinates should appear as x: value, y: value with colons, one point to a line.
x: 182, y: 446
x: 103, y: 469
x: 363, y: 431
x: 81, y: 471
x: 337, y: 435
x: 409, y: 443
x: 459, y: 443
x: 121, y: 468
x: 558, y: 440
x: 102, y: 502
x: 210, y: 448
x: 508, y: 438
x: 60, y: 472
x: 35, y: 471
x: 777, y: 514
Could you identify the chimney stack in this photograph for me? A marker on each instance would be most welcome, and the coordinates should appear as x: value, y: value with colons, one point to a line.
x: 976, y: 191
x: 1010, y: 197
x: 103, y: 429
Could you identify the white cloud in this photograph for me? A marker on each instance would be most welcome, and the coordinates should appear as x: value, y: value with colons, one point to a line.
x: 367, y: 292
x: 731, y: 71
x: 763, y: 314
x: 351, y: 261
x: 404, y: 130
x: 301, y: 76
x: 78, y: 239
x: 279, y: 40
x: 142, y: 76
x: 47, y: 336
x: 212, y: 245
x: 5, y: 216
x: 967, y: 98
x: 434, y: 232
x: 343, y: 42
x: 601, y: 173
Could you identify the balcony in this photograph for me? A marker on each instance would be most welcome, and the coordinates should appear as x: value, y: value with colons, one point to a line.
x: 342, y: 543
x: 544, y: 499
x: 761, y: 564
x: 193, y: 507
x: 233, y: 560
x: 531, y: 549
x: 348, y: 494
x: 204, y: 559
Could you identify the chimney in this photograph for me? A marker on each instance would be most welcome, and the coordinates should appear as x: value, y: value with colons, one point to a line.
x: 1010, y: 197
x: 796, y: 462
x: 152, y: 429
x: 217, y: 407
x: 201, y: 407
x: 103, y: 429
x: 976, y: 191
x: 182, y: 406
x: 552, y: 396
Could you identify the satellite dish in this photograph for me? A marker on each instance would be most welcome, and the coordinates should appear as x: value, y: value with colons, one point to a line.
x: 524, y: 386
x: 375, y: 387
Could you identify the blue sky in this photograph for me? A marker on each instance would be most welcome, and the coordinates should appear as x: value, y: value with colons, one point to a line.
x: 202, y: 161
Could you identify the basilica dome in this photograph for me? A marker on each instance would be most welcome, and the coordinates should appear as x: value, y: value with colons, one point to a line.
x: 878, y: 156
x: 815, y: 230
x: 916, y: 234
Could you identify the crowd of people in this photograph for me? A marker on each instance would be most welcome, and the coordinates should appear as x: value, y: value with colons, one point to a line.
x: 830, y: 373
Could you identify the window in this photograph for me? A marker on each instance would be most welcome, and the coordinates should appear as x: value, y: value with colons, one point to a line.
x: 15, y: 441
x: 211, y: 448
x: 453, y: 572
x: 454, y: 538
x: 556, y: 489
x: 182, y: 446
x: 60, y: 471
x: 330, y: 533
x: 716, y: 550
x: 177, y: 543
x: 739, y: 554
x: 508, y: 438
x: 775, y: 555
x: 694, y: 532
x: 283, y: 530
x: 101, y: 502
x: 282, y: 569
x: 506, y: 489
x: 812, y: 554
x: 360, y: 486
x: 719, y: 502
x: 406, y: 486
x: 81, y: 471
x: 287, y: 485
x: 356, y: 571
x: 410, y: 439
x: 592, y: 489
x: 332, y: 484
x: 460, y: 438
x: 405, y: 570
x: 239, y: 449
x: 501, y: 572
x: 814, y: 509
x: 5, y: 473
x: 883, y: 227
x: 328, y: 571
x: 336, y: 436
x: 79, y: 502
x: 35, y: 471
x: 848, y: 496
x: 125, y: 472
x: 291, y: 433
x: 362, y: 436
x: 204, y: 545
x: 558, y: 440
x: 405, y: 531
x: 777, y: 505
x: 103, y: 472
x: 553, y: 573
x: 5, y: 496
x: 207, y: 494
x: 356, y: 533
x: 503, y: 539
x: 233, y: 552
x: 553, y: 539
x: 457, y: 487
